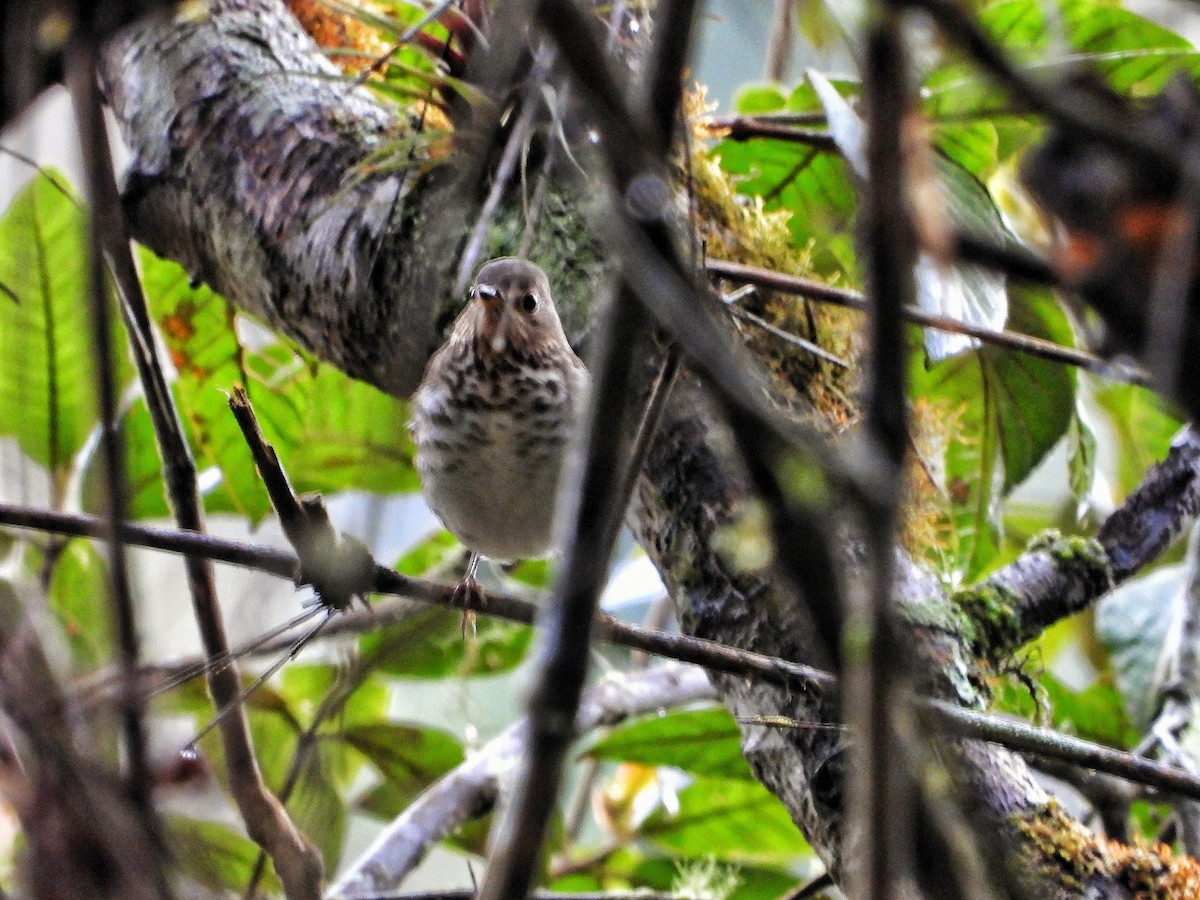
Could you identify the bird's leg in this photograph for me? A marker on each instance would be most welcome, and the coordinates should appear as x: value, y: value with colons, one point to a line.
x: 468, y: 593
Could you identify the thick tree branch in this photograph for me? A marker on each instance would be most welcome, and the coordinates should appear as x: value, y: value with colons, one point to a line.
x: 1065, y: 576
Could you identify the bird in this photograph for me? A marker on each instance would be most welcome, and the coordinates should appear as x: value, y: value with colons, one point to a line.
x: 494, y: 415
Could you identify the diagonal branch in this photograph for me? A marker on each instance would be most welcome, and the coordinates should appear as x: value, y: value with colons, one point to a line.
x: 1062, y: 576
x: 296, y: 861
x: 1011, y: 340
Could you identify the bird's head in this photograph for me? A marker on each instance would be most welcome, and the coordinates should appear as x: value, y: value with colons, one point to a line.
x: 510, y: 309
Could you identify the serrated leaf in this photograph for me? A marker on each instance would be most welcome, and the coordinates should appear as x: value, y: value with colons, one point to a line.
x: 727, y: 819
x: 1132, y: 624
x: 703, y: 742
x: 48, y: 386
x: 79, y: 600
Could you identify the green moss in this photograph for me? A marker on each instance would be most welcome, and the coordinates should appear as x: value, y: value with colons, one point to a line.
x: 1080, y: 549
x: 989, y: 614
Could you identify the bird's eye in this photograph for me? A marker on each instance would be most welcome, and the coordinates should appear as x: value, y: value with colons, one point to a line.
x: 472, y: 294
x: 529, y: 303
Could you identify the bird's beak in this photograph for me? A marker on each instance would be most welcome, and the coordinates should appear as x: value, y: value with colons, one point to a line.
x: 499, y: 338
x: 492, y: 295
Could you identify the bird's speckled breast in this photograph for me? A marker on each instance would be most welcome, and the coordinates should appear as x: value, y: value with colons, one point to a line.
x: 491, y: 446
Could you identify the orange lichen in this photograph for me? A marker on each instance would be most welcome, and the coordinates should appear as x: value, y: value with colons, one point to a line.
x: 1153, y: 871
x: 337, y: 30
x: 1074, y: 855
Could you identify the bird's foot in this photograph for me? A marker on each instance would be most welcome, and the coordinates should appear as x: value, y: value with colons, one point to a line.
x: 469, y: 596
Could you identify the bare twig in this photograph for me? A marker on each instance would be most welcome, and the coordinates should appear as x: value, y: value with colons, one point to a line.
x: 1022, y: 343
x: 744, y: 128
x: 297, y: 862
x: 514, y: 147
x: 338, y: 566
x: 603, y: 494
x: 878, y: 672
x: 781, y: 40
x: 1046, y: 743
x: 105, y: 212
x: 563, y: 661
x: 471, y: 789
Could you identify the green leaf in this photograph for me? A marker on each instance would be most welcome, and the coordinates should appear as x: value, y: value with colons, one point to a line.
x: 48, y: 385
x: 408, y: 758
x: 143, y: 470
x: 430, y: 554
x: 757, y: 99
x: 430, y: 644
x: 215, y: 856
x: 330, y: 431
x: 1009, y: 409
x: 703, y: 742
x: 1144, y: 424
x: 317, y: 807
x: 729, y: 819
x: 1081, y: 458
x: 973, y: 145
x: 79, y: 599
x: 1132, y: 623
x: 1135, y: 55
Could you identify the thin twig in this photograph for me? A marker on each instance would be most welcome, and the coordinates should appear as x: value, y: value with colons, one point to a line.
x: 600, y: 503
x: 338, y: 566
x: 105, y: 215
x: 744, y: 128
x: 1011, y: 340
x: 879, y: 671
x: 296, y: 861
x: 518, y: 138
